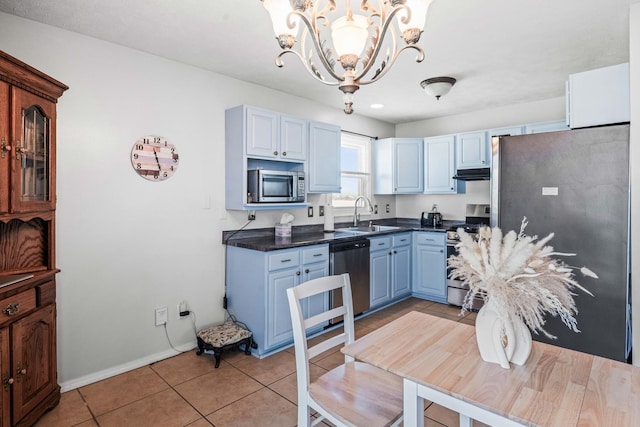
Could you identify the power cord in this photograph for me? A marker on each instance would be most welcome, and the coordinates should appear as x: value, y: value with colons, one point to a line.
x: 192, y: 316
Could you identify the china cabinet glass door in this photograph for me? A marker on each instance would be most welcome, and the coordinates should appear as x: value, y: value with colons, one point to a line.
x: 32, y: 186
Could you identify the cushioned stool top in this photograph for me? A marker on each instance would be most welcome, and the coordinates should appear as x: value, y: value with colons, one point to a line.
x: 225, y: 334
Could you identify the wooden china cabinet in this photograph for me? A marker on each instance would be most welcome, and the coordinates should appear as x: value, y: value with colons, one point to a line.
x: 28, y: 367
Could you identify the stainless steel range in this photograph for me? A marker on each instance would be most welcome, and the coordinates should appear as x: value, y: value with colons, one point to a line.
x: 477, y: 216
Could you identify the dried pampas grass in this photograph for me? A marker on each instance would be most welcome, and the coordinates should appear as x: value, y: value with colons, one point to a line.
x: 519, y: 274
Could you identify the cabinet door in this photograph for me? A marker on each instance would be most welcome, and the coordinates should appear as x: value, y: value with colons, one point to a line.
x: 401, y: 271
x: 317, y: 303
x: 408, y: 170
x: 471, y: 150
x: 439, y: 161
x: 5, y: 374
x: 380, y: 277
x: 279, y: 329
x: 293, y: 138
x: 262, y: 133
x: 324, y: 158
x: 34, y: 360
x: 553, y: 126
x: 33, y: 155
x: 5, y: 143
x: 430, y: 279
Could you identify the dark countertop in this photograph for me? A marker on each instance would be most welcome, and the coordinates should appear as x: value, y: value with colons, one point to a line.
x: 264, y: 239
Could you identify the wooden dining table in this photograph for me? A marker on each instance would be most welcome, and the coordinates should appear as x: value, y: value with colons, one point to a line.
x: 439, y: 360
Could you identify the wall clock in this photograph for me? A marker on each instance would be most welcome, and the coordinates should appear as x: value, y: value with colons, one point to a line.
x: 154, y: 158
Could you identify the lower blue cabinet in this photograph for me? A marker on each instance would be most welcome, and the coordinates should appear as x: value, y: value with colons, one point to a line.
x: 430, y: 266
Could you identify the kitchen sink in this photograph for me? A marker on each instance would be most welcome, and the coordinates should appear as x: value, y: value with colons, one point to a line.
x: 367, y: 230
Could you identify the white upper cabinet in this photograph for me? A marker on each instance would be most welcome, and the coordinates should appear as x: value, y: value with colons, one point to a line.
x: 598, y: 97
x: 472, y: 150
x: 324, y: 158
x: 272, y: 135
x: 553, y: 126
x: 440, y: 167
x: 398, y: 166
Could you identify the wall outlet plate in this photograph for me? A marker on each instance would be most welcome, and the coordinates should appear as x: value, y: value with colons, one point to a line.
x: 321, y: 211
x: 310, y: 211
x: 161, y: 316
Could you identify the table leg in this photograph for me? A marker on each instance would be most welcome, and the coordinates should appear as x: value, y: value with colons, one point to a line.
x: 413, y: 405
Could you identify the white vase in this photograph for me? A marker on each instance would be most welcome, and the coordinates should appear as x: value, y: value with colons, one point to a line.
x: 501, y: 339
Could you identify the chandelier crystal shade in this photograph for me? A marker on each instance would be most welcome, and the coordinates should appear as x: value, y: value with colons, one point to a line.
x: 352, y: 40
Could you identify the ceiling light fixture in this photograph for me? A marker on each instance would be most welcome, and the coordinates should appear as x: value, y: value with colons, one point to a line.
x: 438, y: 86
x: 354, y: 39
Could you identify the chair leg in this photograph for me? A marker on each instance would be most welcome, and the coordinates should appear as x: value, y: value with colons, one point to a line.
x: 216, y: 354
x: 247, y: 346
x: 200, y: 347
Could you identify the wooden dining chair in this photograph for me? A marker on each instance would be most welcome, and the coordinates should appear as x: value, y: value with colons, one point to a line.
x: 352, y: 394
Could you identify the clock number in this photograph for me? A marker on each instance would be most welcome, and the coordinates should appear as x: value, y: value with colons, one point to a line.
x: 157, y: 140
x: 139, y: 165
x: 155, y: 176
x: 173, y: 149
x: 139, y: 147
x: 165, y: 174
x: 145, y: 140
x: 171, y: 168
x: 135, y: 156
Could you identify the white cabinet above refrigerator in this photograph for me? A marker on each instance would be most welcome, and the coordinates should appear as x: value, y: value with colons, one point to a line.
x: 598, y: 97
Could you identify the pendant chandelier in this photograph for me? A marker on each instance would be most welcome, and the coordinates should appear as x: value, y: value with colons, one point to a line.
x: 355, y: 40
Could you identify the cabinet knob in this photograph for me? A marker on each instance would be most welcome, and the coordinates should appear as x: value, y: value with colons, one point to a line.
x: 19, y: 150
x: 11, y: 309
x: 298, y: 273
x: 4, y: 147
x: 395, y: 252
x: 441, y: 251
x: 306, y: 270
x: 7, y: 381
x: 389, y: 252
x: 275, y: 153
x: 284, y: 153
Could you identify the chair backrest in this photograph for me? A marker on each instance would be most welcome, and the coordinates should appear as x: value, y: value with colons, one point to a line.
x: 301, y: 325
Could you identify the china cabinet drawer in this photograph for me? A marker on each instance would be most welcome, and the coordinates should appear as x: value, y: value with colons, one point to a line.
x: 282, y: 260
x: 430, y: 238
x: 315, y: 255
x: 380, y: 243
x: 16, y: 305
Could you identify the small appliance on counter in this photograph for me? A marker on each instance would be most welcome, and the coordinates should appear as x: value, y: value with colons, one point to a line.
x: 432, y: 218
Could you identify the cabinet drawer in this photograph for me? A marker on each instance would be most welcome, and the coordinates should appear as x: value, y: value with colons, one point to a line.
x: 436, y: 239
x: 401, y: 239
x: 281, y: 260
x: 379, y: 243
x: 315, y: 254
x: 46, y: 293
x: 17, y: 304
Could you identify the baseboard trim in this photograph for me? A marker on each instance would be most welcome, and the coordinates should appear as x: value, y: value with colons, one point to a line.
x: 120, y: 369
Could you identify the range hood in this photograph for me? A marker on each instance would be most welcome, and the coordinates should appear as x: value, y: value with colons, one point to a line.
x: 481, y: 174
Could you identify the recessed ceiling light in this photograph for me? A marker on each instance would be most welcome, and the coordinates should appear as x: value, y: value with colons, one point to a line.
x: 377, y: 106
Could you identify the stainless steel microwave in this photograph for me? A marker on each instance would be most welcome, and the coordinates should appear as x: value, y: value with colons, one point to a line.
x: 273, y: 186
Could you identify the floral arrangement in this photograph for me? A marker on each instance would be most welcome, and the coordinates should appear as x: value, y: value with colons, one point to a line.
x: 519, y: 274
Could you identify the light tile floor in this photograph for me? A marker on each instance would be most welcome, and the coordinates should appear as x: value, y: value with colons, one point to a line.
x: 186, y: 390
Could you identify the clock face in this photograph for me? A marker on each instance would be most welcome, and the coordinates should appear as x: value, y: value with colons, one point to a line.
x: 154, y: 158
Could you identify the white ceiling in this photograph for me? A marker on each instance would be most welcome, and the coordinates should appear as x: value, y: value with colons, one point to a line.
x: 501, y: 51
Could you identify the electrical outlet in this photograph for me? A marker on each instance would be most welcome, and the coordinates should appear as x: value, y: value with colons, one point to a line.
x: 321, y: 211
x: 161, y: 316
x: 387, y: 208
x: 310, y: 211
x: 251, y: 216
x: 375, y: 209
x: 183, y: 310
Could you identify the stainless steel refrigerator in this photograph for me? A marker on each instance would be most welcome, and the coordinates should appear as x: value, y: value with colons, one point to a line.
x: 575, y: 184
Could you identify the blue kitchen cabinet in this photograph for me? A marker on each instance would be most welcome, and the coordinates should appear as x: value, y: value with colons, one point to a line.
x: 472, y: 150
x: 257, y: 295
x: 398, y: 166
x: 440, y: 166
x: 275, y: 136
x: 401, y: 265
x: 390, y: 268
x: 324, y: 158
x: 430, y: 266
x: 553, y: 126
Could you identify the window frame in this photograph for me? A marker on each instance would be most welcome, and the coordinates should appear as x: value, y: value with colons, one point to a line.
x: 363, y: 143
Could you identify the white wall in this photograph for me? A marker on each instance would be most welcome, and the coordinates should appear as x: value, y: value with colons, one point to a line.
x: 634, y: 154
x: 126, y: 245
x: 453, y: 206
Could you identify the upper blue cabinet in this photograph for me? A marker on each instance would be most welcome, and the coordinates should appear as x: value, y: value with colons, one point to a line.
x: 324, y: 158
x: 472, y: 150
x: 599, y: 97
x: 398, y: 166
x: 272, y: 135
x: 440, y: 166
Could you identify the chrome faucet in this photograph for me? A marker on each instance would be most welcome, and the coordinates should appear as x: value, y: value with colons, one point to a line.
x: 356, y: 216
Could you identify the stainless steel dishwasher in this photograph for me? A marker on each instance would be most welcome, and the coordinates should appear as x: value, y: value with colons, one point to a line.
x: 351, y: 257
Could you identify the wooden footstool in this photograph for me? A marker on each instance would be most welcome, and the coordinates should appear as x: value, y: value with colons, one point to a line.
x: 224, y: 337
